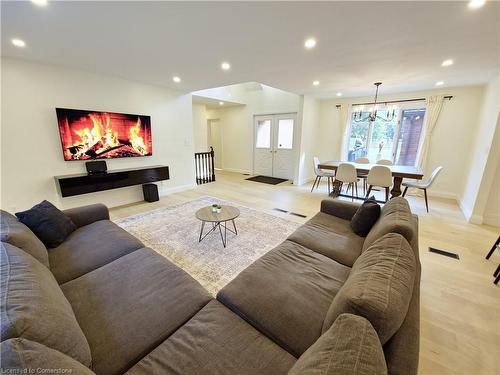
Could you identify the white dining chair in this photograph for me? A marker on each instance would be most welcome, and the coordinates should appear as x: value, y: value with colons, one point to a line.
x: 385, y: 162
x: 380, y: 176
x: 423, y: 185
x: 346, y: 174
x: 362, y: 175
x: 330, y: 175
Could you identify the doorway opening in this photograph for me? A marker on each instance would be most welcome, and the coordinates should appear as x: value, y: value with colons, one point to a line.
x: 214, y: 138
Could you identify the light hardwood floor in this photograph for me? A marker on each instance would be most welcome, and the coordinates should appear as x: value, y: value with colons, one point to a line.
x: 460, y: 305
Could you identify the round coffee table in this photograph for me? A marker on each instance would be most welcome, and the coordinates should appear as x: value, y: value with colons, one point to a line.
x: 218, y: 220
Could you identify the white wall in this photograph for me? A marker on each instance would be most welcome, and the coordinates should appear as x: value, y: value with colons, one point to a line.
x: 200, y: 130
x: 451, y: 142
x: 31, y: 152
x: 310, y: 139
x: 237, y: 122
x: 483, y: 158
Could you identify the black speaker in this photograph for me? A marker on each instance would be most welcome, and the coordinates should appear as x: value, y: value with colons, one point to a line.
x: 150, y: 192
x: 95, y: 167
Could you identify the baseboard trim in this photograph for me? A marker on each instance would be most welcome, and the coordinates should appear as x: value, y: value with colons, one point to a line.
x: 176, y: 189
x: 236, y: 170
x: 443, y: 194
x: 492, y: 219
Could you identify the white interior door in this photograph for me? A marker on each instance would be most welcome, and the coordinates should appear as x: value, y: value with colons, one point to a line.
x: 215, y: 140
x: 263, y: 146
x: 284, y: 126
x: 273, y: 147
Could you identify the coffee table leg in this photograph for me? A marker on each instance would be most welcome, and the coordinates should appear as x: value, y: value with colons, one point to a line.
x: 234, y: 225
x: 221, y: 236
x: 201, y: 231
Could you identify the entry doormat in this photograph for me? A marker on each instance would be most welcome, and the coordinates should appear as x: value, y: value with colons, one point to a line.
x: 267, y: 180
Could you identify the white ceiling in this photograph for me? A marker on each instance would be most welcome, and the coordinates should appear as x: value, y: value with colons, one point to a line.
x: 358, y: 43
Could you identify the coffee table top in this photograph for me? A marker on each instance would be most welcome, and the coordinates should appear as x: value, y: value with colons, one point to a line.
x: 227, y: 213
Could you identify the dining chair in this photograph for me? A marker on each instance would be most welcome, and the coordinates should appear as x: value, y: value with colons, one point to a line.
x: 321, y: 173
x: 423, y: 185
x: 362, y: 175
x: 385, y: 162
x: 380, y: 176
x: 346, y: 174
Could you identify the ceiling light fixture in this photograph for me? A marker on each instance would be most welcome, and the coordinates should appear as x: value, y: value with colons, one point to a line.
x: 225, y: 66
x: 40, y: 3
x: 221, y: 103
x: 372, y: 112
x: 315, y: 83
x: 339, y: 94
x: 476, y: 4
x: 439, y: 83
x: 176, y: 79
x: 310, y: 43
x: 18, y: 42
x: 447, y: 62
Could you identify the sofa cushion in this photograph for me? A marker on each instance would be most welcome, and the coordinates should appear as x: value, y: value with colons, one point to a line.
x: 90, y: 247
x: 34, y: 307
x: 331, y: 236
x: 395, y: 217
x: 216, y: 342
x: 20, y: 236
x: 128, y: 307
x: 379, y: 286
x: 49, y: 223
x: 350, y: 347
x: 365, y: 217
x: 286, y: 293
x: 21, y: 356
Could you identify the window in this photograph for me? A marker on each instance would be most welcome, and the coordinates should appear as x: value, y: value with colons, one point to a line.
x: 397, y: 140
x: 263, y: 134
x: 285, y: 134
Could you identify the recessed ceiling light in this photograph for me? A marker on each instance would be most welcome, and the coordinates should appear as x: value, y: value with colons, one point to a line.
x: 447, y: 62
x: 225, y: 66
x: 18, y: 42
x: 310, y: 43
x: 221, y: 103
x: 339, y: 94
x: 439, y: 83
x: 475, y: 4
x: 315, y: 83
x: 40, y: 3
x: 176, y: 79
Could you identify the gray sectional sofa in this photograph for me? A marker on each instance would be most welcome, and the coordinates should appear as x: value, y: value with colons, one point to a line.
x: 324, y: 301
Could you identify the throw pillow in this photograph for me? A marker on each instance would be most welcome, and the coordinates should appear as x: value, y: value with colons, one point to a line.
x: 365, y: 217
x: 49, y: 223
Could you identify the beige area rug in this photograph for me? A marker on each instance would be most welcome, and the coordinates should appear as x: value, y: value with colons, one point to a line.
x: 173, y: 232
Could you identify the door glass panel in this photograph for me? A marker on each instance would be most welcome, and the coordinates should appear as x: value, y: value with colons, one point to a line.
x: 285, y: 134
x: 357, y: 139
x: 409, y: 136
x: 382, y: 139
x: 263, y: 135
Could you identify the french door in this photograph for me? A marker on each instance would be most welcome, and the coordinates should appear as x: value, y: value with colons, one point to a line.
x: 397, y: 140
x: 274, y: 145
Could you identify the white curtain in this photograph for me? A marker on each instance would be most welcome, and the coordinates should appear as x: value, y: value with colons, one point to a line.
x: 433, y: 108
x: 345, y: 109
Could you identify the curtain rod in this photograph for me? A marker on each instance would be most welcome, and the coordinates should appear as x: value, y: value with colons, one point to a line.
x: 449, y: 97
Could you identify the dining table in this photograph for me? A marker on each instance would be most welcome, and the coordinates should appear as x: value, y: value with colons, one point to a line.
x: 398, y: 173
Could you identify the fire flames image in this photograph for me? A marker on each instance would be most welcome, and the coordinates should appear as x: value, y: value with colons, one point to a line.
x: 102, y: 135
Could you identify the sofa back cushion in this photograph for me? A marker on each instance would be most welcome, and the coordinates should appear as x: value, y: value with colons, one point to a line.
x: 21, y: 356
x: 34, y: 307
x: 19, y: 235
x: 395, y: 217
x: 350, y: 347
x: 379, y: 286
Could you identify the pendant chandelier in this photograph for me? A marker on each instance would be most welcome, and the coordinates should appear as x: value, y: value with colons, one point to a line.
x: 374, y: 113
